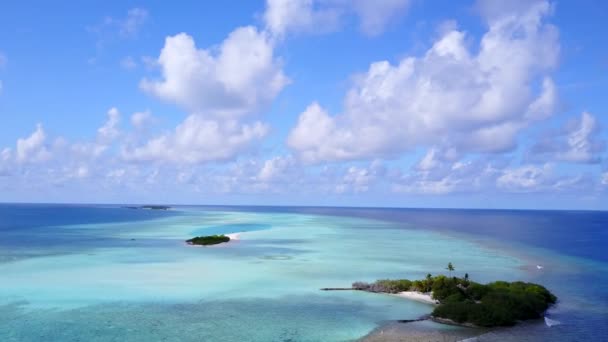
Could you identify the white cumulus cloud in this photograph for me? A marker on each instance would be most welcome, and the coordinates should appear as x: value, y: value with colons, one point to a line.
x: 5, y: 162
x: 199, y: 140
x: 525, y: 178
x: 435, y: 158
x: 219, y: 87
x: 541, y: 178
x: 282, y: 16
x: 440, y: 172
x: 140, y: 119
x: 109, y: 131
x: 356, y: 179
x: 33, y: 148
x: 321, y: 16
x: 453, y: 96
x: 276, y: 169
x: 107, y: 134
x: 578, y: 142
x: 237, y: 78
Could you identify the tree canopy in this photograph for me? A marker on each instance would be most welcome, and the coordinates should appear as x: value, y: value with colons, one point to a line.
x: 463, y: 301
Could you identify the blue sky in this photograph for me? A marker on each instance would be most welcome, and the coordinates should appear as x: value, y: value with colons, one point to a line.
x: 408, y: 103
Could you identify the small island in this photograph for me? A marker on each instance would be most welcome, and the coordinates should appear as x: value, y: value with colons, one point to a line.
x: 156, y: 207
x: 208, y: 240
x: 150, y: 207
x: 461, y: 301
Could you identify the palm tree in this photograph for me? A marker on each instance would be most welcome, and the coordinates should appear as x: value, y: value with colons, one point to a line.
x: 429, y: 282
x: 450, y: 268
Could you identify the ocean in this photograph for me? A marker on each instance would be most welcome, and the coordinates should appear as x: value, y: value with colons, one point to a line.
x: 108, y: 273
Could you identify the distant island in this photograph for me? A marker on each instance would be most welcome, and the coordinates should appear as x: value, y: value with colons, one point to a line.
x: 208, y: 240
x: 150, y: 207
x: 461, y: 301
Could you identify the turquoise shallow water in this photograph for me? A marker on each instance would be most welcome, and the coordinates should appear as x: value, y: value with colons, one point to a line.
x: 134, y: 278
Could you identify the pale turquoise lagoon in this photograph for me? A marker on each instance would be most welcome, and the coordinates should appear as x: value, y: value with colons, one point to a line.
x: 136, y: 279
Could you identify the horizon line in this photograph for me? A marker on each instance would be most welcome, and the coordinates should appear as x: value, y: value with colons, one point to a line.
x: 302, y: 206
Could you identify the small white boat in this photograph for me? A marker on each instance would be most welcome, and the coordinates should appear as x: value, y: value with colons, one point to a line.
x: 539, y: 267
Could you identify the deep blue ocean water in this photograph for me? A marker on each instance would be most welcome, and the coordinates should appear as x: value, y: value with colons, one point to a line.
x: 17, y: 217
x: 69, y: 272
x: 35, y: 229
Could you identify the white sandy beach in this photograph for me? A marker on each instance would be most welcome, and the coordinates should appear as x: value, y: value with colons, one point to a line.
x: 417, y: 296
x: 234, y: 236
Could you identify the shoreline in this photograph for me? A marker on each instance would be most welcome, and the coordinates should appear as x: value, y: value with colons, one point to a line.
x: 234, y: 236
x: 417, y: 296
x: 420, y: 331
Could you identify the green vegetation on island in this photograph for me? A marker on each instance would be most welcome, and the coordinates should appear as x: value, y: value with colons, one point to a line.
x: 150, y: 207
x: 156, y: 207
x: 208, y: 240
x: 465, y: 302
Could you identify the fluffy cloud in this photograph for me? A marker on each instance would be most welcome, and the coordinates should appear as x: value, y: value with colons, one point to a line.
x: 107, y: 135
x: 320, y: 16
x: 70, y: 158
x: 199, y: 140
x: 440, y: 186
x: 41, y: 162
x: 534, y: 178
x: 282, y: 16
x: 139, y: 120
x: 524, y: 178
x: 578, y: 142
x: 218, y: 87
x: 435, y: 158
x: 5, y: 162
x: 359, y: 179
x: 5, y: 155
x: 242, y: 76
x: 33, y: 148
x: 286, y: 175
x: 449, y: 97
x: 277, y: 169
x: 486, y: 175
x: 109, y: 131
x: 440, y: 172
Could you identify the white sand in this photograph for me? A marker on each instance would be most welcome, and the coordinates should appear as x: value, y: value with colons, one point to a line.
x: 418, y: 296
x: 234, y: 236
